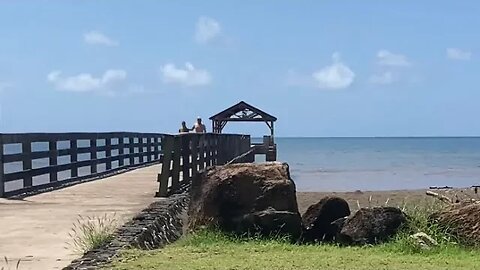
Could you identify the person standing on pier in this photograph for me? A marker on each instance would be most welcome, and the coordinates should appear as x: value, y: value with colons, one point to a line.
x: 184, y: 128
x: 199, y: 127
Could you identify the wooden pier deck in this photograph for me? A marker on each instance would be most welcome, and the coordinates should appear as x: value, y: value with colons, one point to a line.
x: 36, y: 228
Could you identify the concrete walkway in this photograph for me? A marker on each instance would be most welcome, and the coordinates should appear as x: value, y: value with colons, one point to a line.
x: 36, y: 228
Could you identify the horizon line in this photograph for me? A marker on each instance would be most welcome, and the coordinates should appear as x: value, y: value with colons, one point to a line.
x: 373, y: 137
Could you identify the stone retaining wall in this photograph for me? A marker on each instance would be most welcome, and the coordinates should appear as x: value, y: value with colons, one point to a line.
x: 159, y: 224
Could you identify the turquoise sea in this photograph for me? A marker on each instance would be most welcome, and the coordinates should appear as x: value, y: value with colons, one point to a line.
x: 348, y: 164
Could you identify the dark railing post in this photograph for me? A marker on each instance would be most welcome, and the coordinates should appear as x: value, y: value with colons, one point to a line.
x: 157, y: 151
x: 52, y: 159
x: 185, y: 148
x: 194, y: 155
x: 140, y: 149
x: 121, y: 148
x: 131, y: 152
x: 108, y: 153
x: 167, y: 148
x: 208, y: 150
x: 73, y: 158
x: 149, y: 148
x: 27, y: 162
x: 93, y: 155
x: 177, y: 145
x: 219, y: 146
x: 201, y: 151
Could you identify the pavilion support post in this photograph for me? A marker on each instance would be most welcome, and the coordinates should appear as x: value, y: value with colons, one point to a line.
x: 272, y: 130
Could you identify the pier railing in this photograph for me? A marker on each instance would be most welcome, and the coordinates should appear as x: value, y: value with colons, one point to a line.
x: 186, y: 154
x: 35, y: 161
x: 32, y: 162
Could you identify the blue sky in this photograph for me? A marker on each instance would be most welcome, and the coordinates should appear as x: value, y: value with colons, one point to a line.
x: 324, y: 68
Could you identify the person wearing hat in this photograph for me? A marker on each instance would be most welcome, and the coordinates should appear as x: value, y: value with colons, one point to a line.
x: 199, y: 127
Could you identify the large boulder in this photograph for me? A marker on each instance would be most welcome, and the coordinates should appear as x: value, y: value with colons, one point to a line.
x: 318, y: 220
x: 246, y: 198
x: 372, y: 225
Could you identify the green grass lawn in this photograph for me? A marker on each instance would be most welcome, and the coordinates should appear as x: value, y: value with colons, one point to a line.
x: 207, y: 250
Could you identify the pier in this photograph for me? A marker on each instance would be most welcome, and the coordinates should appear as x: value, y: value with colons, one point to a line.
x: 48, y: 180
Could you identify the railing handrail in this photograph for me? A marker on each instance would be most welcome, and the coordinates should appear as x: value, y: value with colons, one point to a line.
x: 184, y: 155
x: 131, y: 149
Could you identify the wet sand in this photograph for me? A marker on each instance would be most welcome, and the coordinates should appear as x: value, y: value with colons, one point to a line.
x: 380, y: 198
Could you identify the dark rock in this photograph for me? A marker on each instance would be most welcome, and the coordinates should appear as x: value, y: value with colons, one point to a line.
x: 372, y: 225
x: 270, y: 222
x: 245, y: 198
x: 338, y: 224
x: 318, y: 219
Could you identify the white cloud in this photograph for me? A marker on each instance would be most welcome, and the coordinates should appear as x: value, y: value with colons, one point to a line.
x: 335, y: 76
x: 98, y: 38
x: 86, y: 82
x: 206, y: 30
x: 387, y: 58
x: 458, y: 54
x: 386, y: 77
x: 188, y: 76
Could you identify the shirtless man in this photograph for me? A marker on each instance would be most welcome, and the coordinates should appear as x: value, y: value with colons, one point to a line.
x: 199, y: 127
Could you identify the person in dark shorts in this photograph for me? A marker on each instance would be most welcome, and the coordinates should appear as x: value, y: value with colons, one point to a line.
x: 184, y: 128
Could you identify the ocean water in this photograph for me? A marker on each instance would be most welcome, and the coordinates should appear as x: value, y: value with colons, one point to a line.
x: 349, y: 164
x: 339, y: 164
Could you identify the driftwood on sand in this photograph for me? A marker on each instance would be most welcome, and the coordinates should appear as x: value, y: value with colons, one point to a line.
x: 443, y: 198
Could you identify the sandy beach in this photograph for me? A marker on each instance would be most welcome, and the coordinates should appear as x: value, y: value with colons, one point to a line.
x: 380, y: 198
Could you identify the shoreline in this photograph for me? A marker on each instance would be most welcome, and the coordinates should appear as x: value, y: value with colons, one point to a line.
x: 398, y: 198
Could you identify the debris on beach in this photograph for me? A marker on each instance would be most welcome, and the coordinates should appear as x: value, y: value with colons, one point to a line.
x: 444, y: 187
x: 461, y: 219
x: 424, y: 241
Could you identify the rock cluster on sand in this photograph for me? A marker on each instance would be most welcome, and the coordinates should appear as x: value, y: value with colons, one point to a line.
x: 372, y: 225
x: 319, y: 219
x: 261, y: 199
x: 246, y: 198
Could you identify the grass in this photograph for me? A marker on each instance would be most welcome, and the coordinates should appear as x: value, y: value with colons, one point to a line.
x: 89, y: 233
x: 210, y: 250
x: 215, y: 250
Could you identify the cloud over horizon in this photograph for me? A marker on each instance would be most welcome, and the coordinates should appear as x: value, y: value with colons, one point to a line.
x: 86, y: 82
x: 335, y: 76
x: 458, y: 54
x: 98, y: 38
x: 387, y: 58
x: 188, y: 76
x: 206, y: 30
